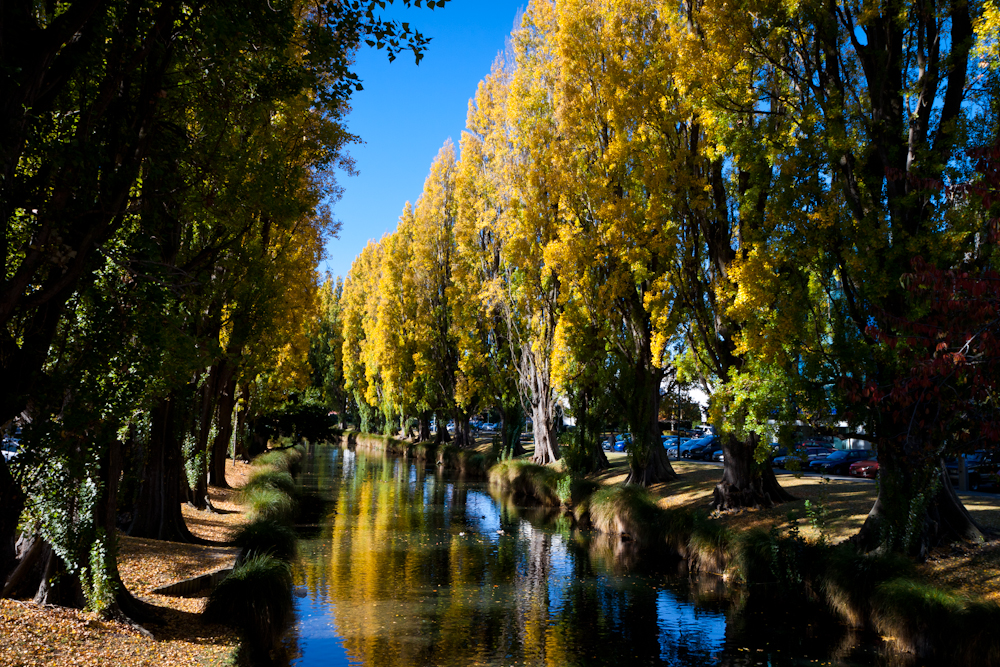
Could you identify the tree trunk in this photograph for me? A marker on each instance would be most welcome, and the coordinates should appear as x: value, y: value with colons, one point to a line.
x: 105, y: 517
x: 441, y: 435
x: 158, y: 514
x: 944, y: 521
x: 58, y: 587
x: 424, y: 427
x: 511, y: 425
x: 589, y: 438
x: 746, y: 483
x: 11, y: 505
x: 542, y: 410
x: 546, y: 445
x: 463, y: 432
x: 647, y: 460
x: 203, y: 428
x: 241, y: 423
x: 224, y: 432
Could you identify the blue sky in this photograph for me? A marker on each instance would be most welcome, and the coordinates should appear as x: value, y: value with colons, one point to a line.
x: 406, y: 112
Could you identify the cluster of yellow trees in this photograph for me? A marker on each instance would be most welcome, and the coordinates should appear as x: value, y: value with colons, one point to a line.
x: 728, y: 191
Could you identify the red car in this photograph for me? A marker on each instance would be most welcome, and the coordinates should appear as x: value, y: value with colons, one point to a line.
x: 867, y: 468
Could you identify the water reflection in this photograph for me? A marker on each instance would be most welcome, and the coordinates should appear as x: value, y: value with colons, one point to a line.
x: 415, y: 568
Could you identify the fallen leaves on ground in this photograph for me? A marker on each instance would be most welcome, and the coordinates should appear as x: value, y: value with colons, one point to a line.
x: 49, y: 636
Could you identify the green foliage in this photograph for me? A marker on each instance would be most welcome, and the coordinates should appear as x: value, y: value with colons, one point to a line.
x: 576, y: 448
x: 99, y: 587
x: 818, y: 512
x: 195, y: 461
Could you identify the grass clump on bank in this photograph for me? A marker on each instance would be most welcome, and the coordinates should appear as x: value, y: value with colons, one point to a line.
x: 629, y: 512
x: 269, y: 503
x: 266, y: 537
x: 283, y: 460
x: 523, y: 479
x: 267, y: 477
x: 256, y: 599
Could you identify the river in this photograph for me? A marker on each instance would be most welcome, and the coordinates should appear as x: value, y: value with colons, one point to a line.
x: 413, y: 566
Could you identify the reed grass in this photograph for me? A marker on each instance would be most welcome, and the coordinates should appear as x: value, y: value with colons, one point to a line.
x: 266, y: 536
x: 523, y: 479
x: 269, y: 503
x: 628, y: 511
x: 267, y: 477
x: 257, y: 600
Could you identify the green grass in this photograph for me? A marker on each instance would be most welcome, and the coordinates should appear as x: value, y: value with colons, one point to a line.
x: 267, y: 477
x: 256, y: 599
x: 629, y: 511
x: 269, y: 503
x: 266, y: 536
x: 284, y: 460
x: 523, y: 479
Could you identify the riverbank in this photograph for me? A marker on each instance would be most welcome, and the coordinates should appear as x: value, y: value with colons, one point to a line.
x: 943, y: 609
x: 966, y: 570
x: 49, y: 636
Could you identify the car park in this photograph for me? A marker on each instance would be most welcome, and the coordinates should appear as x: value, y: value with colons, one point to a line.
x: 838, y: 462
x: 670, y: 442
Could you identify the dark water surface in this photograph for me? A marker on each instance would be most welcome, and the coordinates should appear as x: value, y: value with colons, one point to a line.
x: 417, y: 567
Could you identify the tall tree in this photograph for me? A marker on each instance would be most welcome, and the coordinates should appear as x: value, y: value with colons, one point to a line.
x: 875, y: 98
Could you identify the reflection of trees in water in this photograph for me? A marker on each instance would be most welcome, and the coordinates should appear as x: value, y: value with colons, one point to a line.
x: 407, y: 589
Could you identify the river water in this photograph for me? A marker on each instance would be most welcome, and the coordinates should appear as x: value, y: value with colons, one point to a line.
x: 413, y: 566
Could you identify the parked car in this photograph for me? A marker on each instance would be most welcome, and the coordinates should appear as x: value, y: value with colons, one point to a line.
x: 982, y: 466
x: 622, y: 441
x: 670, y: 442
x: 867, y: 468
x: 11, y: 447
x: 693, y: 445
x: 839, y: 461
x: 704, y: 449
x: 794, y: 460
x: 717, y: 455
x: 778, y: 450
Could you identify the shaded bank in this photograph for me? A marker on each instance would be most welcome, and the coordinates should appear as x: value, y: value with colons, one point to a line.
x: 866, y: 591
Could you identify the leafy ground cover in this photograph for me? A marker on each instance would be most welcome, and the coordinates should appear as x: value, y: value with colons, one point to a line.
x: 56, y: 636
